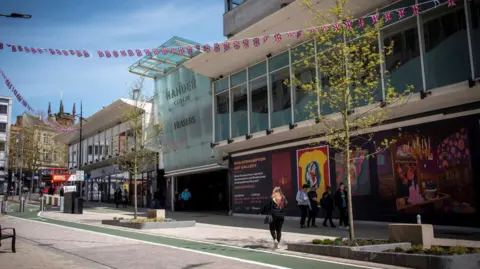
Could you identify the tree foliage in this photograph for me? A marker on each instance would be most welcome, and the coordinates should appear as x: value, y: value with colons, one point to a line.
x: 140, y: 151
x: 350, y: 95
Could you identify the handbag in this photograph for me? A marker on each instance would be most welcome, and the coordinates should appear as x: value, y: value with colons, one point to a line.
x: 268, y: 218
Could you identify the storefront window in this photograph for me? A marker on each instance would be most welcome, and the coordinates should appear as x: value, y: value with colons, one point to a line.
x: 258, y: 104
x: 240, y: 107
x: 305, y: 91
x: 257, y: 70
x: 221, y: 85
x: 222, y: 116
x: 403, y: 65
x: 446, y: 46
x: 475, y: 33
x: 281, y: 97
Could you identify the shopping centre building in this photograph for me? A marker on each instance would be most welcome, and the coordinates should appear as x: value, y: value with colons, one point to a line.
x: 233, y: 130
x: 260, y: 126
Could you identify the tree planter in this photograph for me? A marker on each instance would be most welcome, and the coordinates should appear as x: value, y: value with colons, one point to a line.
x: 376, y: 254
x: 150, y: 225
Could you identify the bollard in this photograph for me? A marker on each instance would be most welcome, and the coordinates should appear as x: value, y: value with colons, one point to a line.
x: 42, y: 203
x: 62, y: 199
x: 22, y: 201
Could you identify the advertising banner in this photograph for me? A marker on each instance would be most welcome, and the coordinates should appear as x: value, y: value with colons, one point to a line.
x: 252, y: 183
x: 313, y: 168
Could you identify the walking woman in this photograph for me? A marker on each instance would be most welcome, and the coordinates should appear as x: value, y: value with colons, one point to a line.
x: 275, y: 208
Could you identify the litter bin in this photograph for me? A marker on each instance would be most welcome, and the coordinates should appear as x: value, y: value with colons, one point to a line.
x: 68, y: 202
x: 78, y: 207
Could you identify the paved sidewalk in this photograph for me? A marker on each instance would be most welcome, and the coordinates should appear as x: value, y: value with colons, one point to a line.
x: 225, y: 235
x: 31, y: 255
x: 362, y: 230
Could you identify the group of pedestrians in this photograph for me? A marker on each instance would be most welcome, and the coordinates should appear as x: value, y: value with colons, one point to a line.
x: 307, y: 200
x: 309, y: 207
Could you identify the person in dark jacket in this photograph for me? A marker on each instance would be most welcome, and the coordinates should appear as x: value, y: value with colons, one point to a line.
x: 312, y: 213
x: 275, y: 207
x: 118, y: 196
x: 62, y: 191
x: 327, y: 204
x: 341, y: 201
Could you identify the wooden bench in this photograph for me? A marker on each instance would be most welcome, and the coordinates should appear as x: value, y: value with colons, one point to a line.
x: 11, y: 236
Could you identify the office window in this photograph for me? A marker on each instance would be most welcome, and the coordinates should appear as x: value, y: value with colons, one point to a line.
x: 2, y: 146
x: 403, y: 64
x: 258, y: 97
x: 45, y: 155
x: 222, y: 126
x: 446, y: 58
x: 90, y: 150
x: 3, y: 109
x: 54, y: 156
x: 3, y: 127
x: 239, y: 104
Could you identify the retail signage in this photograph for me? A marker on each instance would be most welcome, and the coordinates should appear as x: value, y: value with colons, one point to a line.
x: 69, y: 188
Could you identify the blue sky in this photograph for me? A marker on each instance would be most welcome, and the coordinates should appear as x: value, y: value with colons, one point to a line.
x: 93, y: 25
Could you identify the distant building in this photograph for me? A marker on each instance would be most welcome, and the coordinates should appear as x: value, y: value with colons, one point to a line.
x: 41, y: 151
x: 5, y: 121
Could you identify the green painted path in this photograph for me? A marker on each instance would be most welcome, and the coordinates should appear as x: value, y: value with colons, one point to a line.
x: 281, y: 260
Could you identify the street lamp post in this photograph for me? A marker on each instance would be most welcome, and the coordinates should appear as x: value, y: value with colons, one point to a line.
x: 79, y: 161
x: 136, y: 95
x: 17, y: 16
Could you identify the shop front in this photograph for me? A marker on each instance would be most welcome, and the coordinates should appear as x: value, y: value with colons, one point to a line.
x: 427, y: 171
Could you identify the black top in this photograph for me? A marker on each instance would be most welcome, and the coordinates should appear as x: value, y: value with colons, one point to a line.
x: 313, y: 198
x: 271, y: 208
x: 327, y: 201
x: 339, y: 200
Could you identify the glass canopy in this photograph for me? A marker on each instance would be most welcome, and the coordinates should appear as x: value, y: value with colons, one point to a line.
x: 160, y: 64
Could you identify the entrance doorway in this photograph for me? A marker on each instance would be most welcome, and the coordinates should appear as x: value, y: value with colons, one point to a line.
x: 209, y: 191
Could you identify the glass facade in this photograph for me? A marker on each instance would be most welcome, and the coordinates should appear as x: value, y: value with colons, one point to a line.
x: 239, y: 101
x: 279, y: 82
x: 222, y: 108
x: 186, y: 97
x: 446, y: 56
x: 430, y: 50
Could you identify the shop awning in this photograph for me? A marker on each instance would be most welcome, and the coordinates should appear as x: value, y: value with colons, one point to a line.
x: 157, y: 65
x: 292, y: 17
x: 196, y: 170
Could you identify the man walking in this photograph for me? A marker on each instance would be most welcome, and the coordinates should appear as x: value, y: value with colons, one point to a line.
x: 185, y: 197
x: 341, y: 201
x: 303, y: 204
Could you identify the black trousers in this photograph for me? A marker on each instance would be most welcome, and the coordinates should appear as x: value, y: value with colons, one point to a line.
x: 276, y: 228
x: 328, y: 217
x: 343, y: 217
x: 312, y: 215
x: 303, y: 214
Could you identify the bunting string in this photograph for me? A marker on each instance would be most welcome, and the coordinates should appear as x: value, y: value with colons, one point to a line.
x: 246, y: 43
x: 387, y: 16
x: 21, y: 100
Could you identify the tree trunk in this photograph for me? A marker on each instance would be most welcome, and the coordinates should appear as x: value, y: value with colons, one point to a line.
x: 351, y: 231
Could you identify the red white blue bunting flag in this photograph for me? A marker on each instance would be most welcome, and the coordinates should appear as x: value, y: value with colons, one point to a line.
x: 387, y: 16
x: 29, y: 108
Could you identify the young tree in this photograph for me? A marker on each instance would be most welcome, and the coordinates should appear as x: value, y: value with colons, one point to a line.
x: 140, y: 150
x: 351, y: 100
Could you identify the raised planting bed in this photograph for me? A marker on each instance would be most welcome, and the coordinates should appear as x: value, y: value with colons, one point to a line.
x: 398, y: 254
x: 142, y: 224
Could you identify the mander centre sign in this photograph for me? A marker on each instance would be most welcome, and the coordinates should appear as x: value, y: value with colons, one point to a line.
x: 181, y: 91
